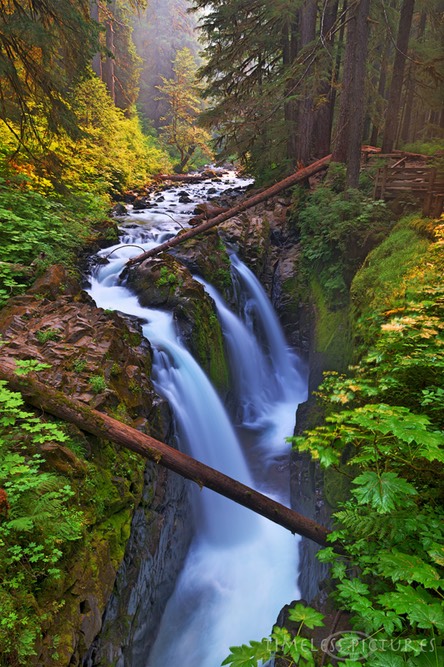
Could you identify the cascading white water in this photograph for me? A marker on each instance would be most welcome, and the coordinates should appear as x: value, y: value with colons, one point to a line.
x: 259, y: 314
x: 249, y: 367
x: 241, y: 568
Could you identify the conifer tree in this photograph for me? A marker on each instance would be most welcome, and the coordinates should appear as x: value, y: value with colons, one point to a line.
x: 45, y: 49
x: 184, y: 105
x: 351, y: 114
x: 160, y: 31
x: 394, y: 99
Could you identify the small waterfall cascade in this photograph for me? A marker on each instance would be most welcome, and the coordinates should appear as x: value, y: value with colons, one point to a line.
x: 259, y: 316
x: 249, y: 367
x: 240, y: 569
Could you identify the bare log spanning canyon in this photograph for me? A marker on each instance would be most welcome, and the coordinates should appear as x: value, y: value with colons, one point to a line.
x: 288, y: 182
x: 99, y: 424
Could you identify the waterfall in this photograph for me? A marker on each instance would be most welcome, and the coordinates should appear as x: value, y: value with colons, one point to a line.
x: 241, y: 569
x: 259, y: 316
x: 249, y: 367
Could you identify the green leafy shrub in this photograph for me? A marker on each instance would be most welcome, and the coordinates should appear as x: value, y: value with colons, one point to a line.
x: 337, y: 230
x: 38, y: 231
x: 295, y: 649
x: 37, y: 525
x: 98, y: 383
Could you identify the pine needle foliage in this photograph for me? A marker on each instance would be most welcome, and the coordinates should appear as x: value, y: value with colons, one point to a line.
x: 45, y: 48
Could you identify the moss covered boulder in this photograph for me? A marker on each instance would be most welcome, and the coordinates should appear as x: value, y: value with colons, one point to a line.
x: 207, y: 256
x: 163, y: 282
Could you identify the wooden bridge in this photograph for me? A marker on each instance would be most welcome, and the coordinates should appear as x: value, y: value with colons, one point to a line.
x: 424, y: 182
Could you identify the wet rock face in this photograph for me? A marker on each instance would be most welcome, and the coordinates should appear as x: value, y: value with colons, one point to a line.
x: 154, y: 557
x: 100, y: 358
x: 163, y: 282
x: 95, y: 357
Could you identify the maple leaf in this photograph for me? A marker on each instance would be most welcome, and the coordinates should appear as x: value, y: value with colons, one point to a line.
x: 382, y: 492
x: 407, y: 567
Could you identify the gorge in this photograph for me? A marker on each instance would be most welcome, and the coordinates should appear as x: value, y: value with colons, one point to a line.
x: 218, y: 600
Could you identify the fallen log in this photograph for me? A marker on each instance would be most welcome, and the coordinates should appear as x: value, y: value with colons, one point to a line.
x: 288, y: 182
x: 190, y: 178
x: 181, y: 178
x: 101, y: 425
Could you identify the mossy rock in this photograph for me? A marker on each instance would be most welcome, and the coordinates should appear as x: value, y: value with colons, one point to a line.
x: 250, y: 235
x: 381, y: 283
x: 332, y: 331
x: 207, y: 256
x: 163, y: 282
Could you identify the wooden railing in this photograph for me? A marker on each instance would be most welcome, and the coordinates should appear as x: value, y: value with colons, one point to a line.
x: 424, y: 182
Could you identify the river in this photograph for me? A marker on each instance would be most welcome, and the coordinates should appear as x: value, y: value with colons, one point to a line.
x: 241, y: 568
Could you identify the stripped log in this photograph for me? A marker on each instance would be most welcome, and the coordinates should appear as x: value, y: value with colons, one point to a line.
x: 187, y: 178
x: 101, y: 425
x: 288, y: 182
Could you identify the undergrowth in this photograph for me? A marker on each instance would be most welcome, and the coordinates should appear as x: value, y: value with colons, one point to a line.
x: 38, y: 521
x: 49, y: 514
x: 38, y: 231
x: 337, y: 229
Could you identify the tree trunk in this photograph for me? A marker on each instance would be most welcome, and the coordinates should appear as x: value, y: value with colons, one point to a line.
x: 381, y: 85
x: 394, y: 99
x: 408, y: 106
x: 108, y: 68
x: 298, y: 177
x: 338, y: 59
x: 97, y: 59
x: 409, y: 97
x: 351, y: 115
x: 289, y: 54
x: 323, y: 115
x: 307, y: 22
x: 185, y: 159
x: 101, y: 425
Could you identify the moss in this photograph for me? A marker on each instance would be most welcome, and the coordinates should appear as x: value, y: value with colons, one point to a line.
x: 332, y: 331
x: 115, y: 369
x: 381, y: 283
x: 295, y: 290
x: 133, y: 338
x: 206, y: 341
x: 116, y: 531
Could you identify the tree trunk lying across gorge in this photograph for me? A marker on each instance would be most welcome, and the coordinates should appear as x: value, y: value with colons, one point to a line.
x: 288, y: 182
x: 99, y: 424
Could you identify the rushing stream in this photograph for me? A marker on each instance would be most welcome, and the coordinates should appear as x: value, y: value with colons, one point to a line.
x: 241, y: 568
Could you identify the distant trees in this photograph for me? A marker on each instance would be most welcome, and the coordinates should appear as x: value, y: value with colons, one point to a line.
x: 181, y: 96
x: 349, y: 131
x: 290, y: 81
x: 160, y: 31
x: 117, y: 63
x: 394, y: 97
x: 59, y: 127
